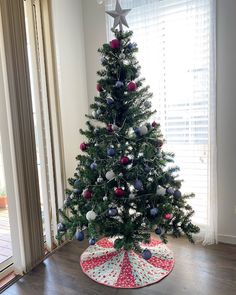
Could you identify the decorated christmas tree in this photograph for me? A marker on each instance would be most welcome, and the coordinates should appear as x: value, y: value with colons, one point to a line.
x: 125, y: 185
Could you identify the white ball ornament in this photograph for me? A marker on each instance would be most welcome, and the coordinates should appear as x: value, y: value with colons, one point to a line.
x: 143, y: 130
x: 110, y: 175
x: 131, y: 196
x: 99, y: 179
x: 115, y: 127
x: 91, y: 215
x: 147, y: 104
x: 105, y: 198
x: 161, y: 191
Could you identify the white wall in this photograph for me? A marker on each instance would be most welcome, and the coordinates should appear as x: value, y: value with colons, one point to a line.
x: 95, y: 36
x: 226, y: 117
x: 70, y: 54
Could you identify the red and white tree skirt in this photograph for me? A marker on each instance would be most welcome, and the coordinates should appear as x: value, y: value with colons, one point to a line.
x: 126, y: 269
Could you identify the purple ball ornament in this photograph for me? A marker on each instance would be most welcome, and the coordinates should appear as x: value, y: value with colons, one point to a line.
x: 146, y: 254
x: 177, y: 194
x: 119, y: 84
x: 93, y: 166
x: 110, y: 101
x: 111, y: 152
x: 92, y: 241
x: 153, y: 212
x: 79, y: 235
x: 138, y: 185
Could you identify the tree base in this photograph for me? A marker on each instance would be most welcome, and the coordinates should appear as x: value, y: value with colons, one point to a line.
x: 126, y: 269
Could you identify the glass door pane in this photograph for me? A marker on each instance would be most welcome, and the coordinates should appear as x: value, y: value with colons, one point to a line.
x: 5, y: 234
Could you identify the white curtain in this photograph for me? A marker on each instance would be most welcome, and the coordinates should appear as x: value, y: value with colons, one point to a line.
x: 176, y: 41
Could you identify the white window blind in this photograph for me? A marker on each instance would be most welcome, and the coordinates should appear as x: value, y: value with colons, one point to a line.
x: 176, y: 52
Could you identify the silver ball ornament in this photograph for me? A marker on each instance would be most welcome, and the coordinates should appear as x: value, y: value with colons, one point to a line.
x: 91, y: 215
x: 110, y: 175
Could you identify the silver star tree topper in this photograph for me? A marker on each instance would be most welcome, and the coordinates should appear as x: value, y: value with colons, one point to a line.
x: 119, y: 16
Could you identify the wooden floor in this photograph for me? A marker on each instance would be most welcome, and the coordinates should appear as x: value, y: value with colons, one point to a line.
x: 5, y: 236
x: 198, y: 271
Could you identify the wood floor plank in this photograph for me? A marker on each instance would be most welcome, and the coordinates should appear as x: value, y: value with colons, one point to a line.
x: 198, y: 271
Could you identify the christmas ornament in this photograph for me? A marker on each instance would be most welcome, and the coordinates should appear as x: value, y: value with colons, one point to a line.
x: 147, y: 104
x: 94, y: 114
x: 158, y: 231
x: 109, y: 128
x: 119, y: 16
x: 122, y: 56
x: 99, y: 88
x: 146, y: 254
x: 115, y: 127
x: 103, y: 60
x: 147, y: 168
x: 110, y: 101
x: 143, y: 130
x: 153, y: 212
x: 77, y: 191
x: 98, y: 112
x: 161, y: 191
x: 124, y: 160
x: 130, y: 46
x: 77, y: 183
x: 170, y: 191
x: 155, y: 124
x: 132, y: 196
x: 119, y: 84
x: 143, y: 224
x: 87, y: 194
x: 83, y: 146
x: 61, y: 227
x: 132, y: 86
x: 105, y: 198
x: 112, y: 212
x: 177, y: 194
x: 99, y: 179
x: 110, y: 175
x: 67, y: 202
x: 111, y: 152
x: 159, y: 143
x: 93, y: 166
x: 91, y: 215
x: 115, y: 44
x: 92, y: 241
x: 79, y: 235
x: 137, y: 131
x: 168, y: 216
x: 119, y: 192
x: 138, y: 185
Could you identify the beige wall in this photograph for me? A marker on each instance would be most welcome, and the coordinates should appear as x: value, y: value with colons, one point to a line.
x: 70, y: 55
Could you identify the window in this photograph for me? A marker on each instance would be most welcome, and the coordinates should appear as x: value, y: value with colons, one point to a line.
x: 176, y: 52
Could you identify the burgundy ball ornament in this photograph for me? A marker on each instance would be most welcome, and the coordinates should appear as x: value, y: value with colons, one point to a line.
x: 146, y: 254
x: 132, y: 86
x: 87, y: 194
x: 115, y: 44
x: 109, y: 128
x: 99, y: 88
x: 119, y: 192
x: 168, y: 216
x: 124, y: 160
x: 159, y: 143
x: 83, y: 146
x: 155, y: 124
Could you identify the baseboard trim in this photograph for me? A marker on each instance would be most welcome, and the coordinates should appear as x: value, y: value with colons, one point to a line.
x: 227, y: 239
